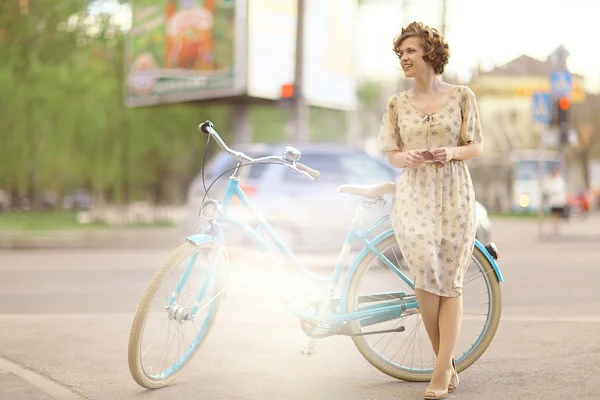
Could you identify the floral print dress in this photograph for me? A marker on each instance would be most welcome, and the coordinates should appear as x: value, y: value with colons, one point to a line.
x: 433, y: 209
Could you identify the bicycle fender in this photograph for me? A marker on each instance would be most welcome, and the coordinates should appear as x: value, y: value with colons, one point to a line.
x: 201, y: 238
x: 204, y: 238
x: 491, y: 259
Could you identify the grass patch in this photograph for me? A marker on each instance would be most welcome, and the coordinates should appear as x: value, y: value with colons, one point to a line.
x: 33, y: 220
x: 41, y: 221
x: 512, y: 215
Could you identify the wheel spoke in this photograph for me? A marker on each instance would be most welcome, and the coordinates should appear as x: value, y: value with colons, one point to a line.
x: 409, y: 354
x: 165, y: 334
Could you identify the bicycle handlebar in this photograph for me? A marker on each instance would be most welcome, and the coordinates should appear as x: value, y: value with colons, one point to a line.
x: 208, y: 128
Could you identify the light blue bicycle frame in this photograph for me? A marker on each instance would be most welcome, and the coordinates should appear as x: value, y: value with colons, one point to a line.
x: 368, y: 314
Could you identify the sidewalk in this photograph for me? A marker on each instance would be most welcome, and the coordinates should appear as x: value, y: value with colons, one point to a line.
x: 575, y: 229
x: 524, y: 230
x: 139, y: 238
x: 527, y: 230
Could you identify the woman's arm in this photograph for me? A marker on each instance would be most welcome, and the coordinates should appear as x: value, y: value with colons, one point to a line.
x: 405, y: 159
x: 465, y: 152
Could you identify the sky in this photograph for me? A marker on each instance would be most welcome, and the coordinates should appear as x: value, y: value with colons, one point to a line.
x: 483, y: 32
x: 486, y: 32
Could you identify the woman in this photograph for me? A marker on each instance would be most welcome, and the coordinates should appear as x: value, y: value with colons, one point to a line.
x: 429, y: 131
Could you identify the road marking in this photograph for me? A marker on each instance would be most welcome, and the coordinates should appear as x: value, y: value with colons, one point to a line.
x: 538, y: 318
x: 48, y: 386
x: 65, y: 315
x: 466, y: 317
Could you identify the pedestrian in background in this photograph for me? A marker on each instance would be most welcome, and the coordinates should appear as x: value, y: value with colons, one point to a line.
x: 555, y: 194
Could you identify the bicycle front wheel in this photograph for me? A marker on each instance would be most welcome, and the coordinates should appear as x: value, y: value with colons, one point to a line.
x: 176, y: 313
x: 408, y: 355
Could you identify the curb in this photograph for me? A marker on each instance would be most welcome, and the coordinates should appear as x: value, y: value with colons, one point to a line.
x: 157, y: 238
x: 162, y: 237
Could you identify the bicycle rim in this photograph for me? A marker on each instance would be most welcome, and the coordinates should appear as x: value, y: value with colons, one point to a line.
x: 409, y: 355
x: 176, y: 314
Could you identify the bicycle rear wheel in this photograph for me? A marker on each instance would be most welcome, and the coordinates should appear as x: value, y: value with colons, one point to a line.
x: 176, y: 313
x: 409, y: 355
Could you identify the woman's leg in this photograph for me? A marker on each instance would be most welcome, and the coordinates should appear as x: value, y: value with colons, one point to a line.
x: 450, y: 317
x: 429, y: 305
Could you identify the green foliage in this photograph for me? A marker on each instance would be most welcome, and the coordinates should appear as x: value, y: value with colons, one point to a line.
x: 327, y: 125
x: 65, y: 125
x: 269, y: 124
x: 369, y: 94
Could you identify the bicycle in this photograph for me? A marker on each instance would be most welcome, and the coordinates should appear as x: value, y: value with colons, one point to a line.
x: 367, y: 311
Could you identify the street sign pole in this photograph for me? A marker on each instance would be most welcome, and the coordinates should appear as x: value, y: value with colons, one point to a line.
x: 561, y: 89
x: 541, y: 168
x: 547, y: 112
x: 561, y: 82
x: 541, y: 115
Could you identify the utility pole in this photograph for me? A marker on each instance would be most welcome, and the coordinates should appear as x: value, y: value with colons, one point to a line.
x: 404, y: 83
x: 560, y: 100
x: 443, y: 27
x: 242, y: 129
x: 300, y: 110
x: 405, y: 4
x: 444, y: 12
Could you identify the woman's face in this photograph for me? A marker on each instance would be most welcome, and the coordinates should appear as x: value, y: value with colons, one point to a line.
x: 411, y: 58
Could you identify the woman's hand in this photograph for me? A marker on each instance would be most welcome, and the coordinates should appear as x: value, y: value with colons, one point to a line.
x: 413, y: 159
x: 444, y: 154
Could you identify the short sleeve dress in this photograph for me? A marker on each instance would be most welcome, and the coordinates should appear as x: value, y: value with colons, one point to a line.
x: 433, y: 209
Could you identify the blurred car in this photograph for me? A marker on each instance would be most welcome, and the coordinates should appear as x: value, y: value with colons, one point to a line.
x: 309, y: 215
x: 79, y: 200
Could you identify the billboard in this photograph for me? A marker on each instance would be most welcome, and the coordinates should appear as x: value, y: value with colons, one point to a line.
x: 183, y: 50
x: 329, y: 63
x: 329, y: 73
x: 180, y: 50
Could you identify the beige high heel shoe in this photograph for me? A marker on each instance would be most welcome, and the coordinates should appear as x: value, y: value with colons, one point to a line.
x: 454, y: 381
x: 438, y: 394
x: 431, y: 394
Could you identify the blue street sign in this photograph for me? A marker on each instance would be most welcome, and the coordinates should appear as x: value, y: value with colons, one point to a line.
x: 561, y: 83
x: 541, y: 107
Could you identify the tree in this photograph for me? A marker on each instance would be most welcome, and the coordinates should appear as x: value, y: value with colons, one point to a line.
x: 586, y: 121
x: 32, y: 71
x: 372, y: 103
x: 63, y: 118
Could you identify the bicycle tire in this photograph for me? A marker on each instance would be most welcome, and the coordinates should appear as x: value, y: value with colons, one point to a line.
x: 405, y: 374
x: 137, y: 329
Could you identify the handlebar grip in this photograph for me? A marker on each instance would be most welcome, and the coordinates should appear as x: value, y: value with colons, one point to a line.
x: 206, y: 126
x: 312, y: 172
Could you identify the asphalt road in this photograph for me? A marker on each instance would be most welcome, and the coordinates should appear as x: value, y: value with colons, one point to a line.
x: 65, y: 316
